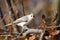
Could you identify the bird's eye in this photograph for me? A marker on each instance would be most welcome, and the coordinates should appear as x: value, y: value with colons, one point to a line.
x: 33, y: 16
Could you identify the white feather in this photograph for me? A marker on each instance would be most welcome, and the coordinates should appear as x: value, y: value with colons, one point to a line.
x: 24, y: 20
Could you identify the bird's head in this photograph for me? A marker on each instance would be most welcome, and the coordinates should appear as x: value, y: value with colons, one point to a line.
x: 31, y: 15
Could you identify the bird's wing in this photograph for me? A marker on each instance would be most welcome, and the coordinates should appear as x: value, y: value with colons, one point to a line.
x: 21, y: 23
x: 22, y: 19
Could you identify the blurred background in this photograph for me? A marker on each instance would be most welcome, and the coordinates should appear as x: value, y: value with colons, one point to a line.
x: 10, y: 10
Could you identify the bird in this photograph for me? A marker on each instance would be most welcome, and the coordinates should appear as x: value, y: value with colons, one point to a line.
x: 23, y: 21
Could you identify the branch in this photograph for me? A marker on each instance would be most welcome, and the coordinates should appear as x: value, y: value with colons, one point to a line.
x: 33, y: 31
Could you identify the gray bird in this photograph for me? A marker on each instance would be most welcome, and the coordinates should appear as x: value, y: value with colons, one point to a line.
x: 22, y: 21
